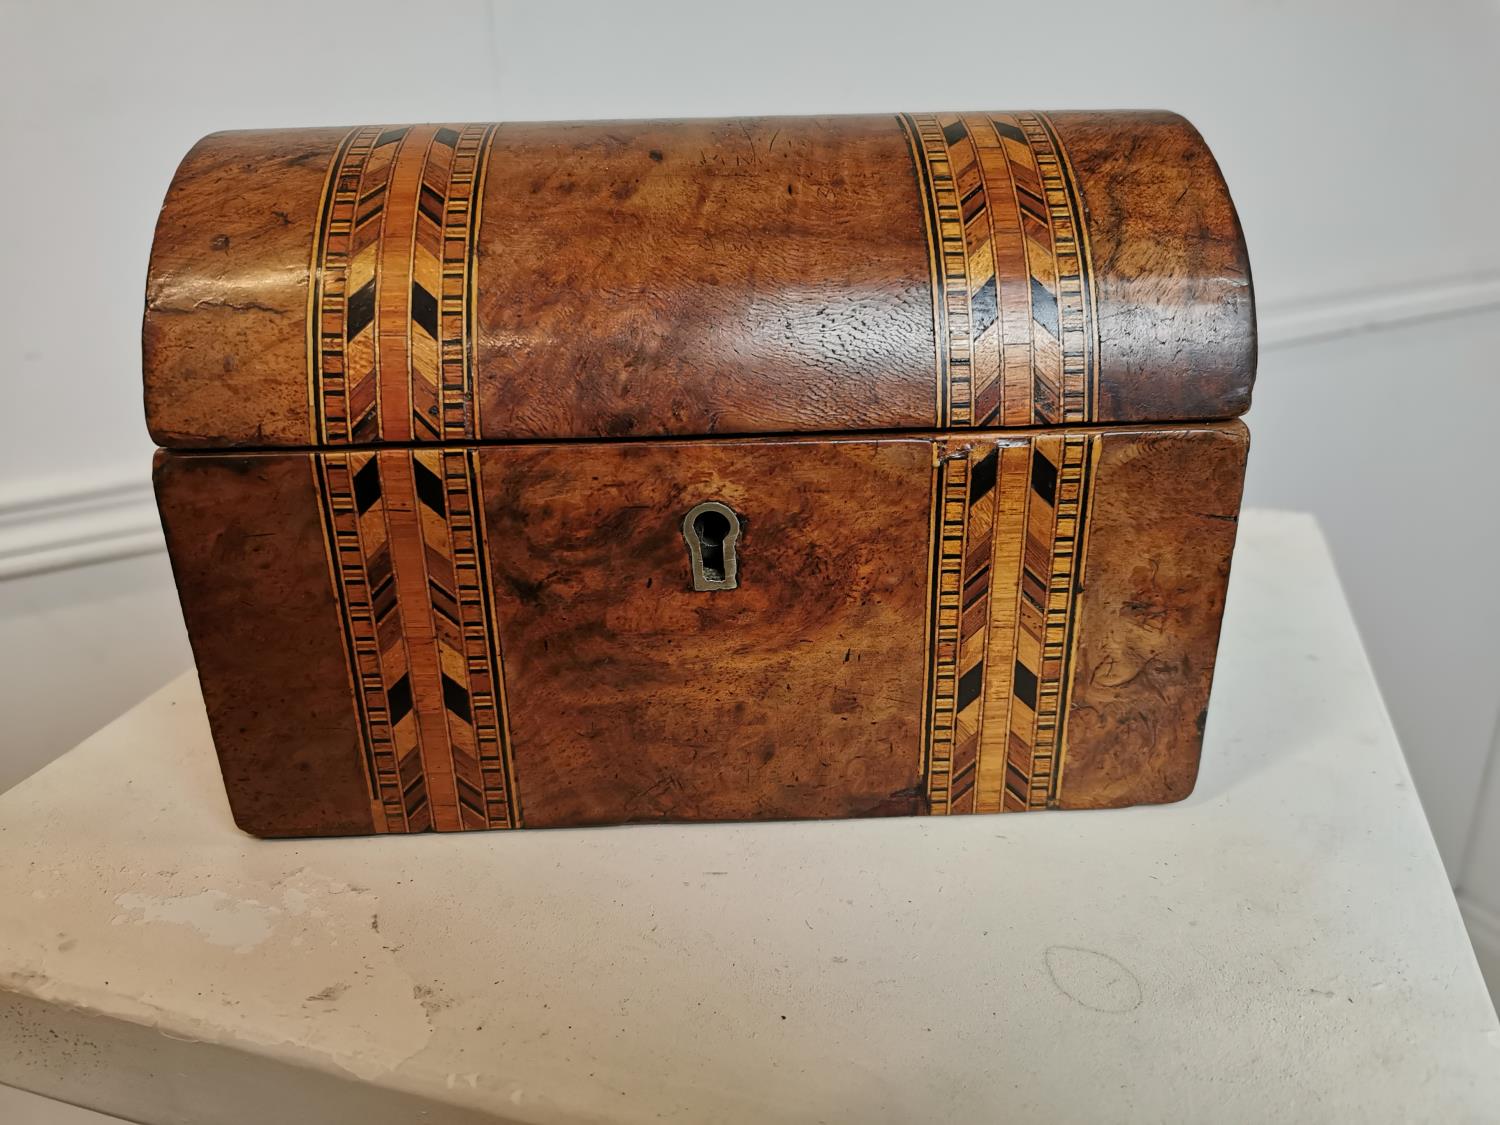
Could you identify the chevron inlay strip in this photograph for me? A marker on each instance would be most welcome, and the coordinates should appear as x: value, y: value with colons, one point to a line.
x: 1008, y: 558
x: 1013, y: 300
x: 406, y: 544
x: 391, y: 304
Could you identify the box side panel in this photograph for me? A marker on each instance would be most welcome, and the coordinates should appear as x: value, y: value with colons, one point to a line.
x: 246, y: 539
x: 1164, y: 512
x: 635, y: 697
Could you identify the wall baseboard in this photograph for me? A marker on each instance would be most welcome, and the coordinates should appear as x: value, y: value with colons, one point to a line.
x: 1346, y: 314
x: 1484, y: 932
x: 52, y: 526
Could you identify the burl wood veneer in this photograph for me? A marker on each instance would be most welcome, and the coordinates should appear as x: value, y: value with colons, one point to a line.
x: 442, y: 405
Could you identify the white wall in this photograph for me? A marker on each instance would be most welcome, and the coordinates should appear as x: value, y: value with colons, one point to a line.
x: 1358, y: 139
x: 100, y: 100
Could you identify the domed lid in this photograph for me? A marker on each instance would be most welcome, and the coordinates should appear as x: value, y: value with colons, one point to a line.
x: 459, y: 283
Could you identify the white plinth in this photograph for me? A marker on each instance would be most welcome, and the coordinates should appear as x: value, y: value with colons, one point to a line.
x: 1281, y: 946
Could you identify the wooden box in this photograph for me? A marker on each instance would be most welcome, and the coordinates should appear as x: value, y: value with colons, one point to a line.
x: 531, y: 475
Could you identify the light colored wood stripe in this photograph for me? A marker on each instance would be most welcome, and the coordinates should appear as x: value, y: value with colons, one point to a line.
x: 1012, y: 486
x: 393, y: 301
x: 404, y: 524
x: 1013, y: 296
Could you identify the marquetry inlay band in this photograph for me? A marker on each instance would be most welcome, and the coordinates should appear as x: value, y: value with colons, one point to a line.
x: 410, y: 568
x: 1010, y: 526
x: 1013, y: 297
x: 391, y: 305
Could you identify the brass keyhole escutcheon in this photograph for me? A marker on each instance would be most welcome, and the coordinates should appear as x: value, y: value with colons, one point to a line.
x: 712, y: 532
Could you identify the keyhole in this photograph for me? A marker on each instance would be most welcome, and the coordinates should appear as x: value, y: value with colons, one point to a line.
x: 712, y: 531
x: 712, y: 527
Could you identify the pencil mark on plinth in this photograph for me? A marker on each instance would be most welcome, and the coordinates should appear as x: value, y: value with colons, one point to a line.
x: 1092, y: 979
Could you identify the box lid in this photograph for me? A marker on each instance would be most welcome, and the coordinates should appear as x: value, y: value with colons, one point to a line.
x: 500, y: 282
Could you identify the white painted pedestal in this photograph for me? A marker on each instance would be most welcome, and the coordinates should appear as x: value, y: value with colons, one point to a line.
x: 1281, y: 946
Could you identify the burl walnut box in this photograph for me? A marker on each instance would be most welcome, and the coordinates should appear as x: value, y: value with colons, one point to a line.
x: 529, y: 475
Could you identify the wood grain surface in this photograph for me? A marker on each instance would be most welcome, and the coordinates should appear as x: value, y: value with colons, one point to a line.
x: 391, y: 284
x: 633, y: 697
x: 442, y: 401
x: 452, y: 638
x: 247, y: 546
x: 1148, y: 623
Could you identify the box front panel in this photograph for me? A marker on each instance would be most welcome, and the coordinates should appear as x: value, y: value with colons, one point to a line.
x: 537, y: 636
x: 633, y: 696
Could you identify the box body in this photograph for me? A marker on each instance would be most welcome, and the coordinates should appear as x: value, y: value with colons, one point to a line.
x: 431, y: 490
